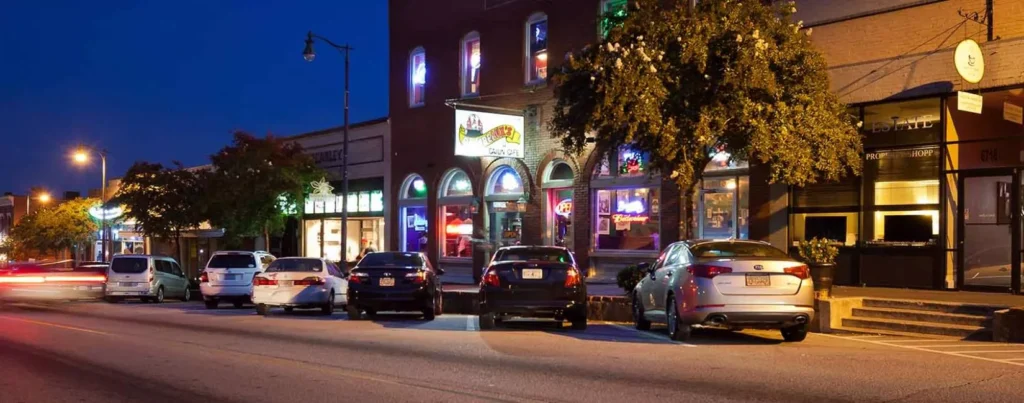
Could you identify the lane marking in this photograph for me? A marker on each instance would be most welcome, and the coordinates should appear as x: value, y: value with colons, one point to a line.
x: 962, y: 346
x: 470, y: 324
x: 649, y: 335
x: 55, y: 325
x: 916, y: 348
x: 988, y: 351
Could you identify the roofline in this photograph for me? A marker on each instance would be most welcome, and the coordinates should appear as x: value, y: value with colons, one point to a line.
x: 356, y: 125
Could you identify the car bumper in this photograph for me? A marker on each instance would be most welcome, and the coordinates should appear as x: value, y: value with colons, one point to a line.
x: 129, y: 292
x: 70, y: 293
x: 225, y: 291
x: 305, y: 297
x: 750, y: 316
x: 534, y: 308
x: 380, y: 300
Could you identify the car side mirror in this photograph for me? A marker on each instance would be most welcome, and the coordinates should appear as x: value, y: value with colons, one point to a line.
x: 644, y: 267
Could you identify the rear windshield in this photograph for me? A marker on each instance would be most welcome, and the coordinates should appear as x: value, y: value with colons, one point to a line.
x: 232, y: 261
x: 392, y: 259
x: 129, y: 265
x: 541, y: 254
x: 311, y: 265
x: 736, y: 249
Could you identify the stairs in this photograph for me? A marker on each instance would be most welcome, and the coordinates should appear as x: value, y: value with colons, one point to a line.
x: 922, y: 318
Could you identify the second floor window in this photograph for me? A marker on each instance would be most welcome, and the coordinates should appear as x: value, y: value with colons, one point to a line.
x: 611, y: 8
x: 471, y: 64
x: 537, y: 48
x: 417, y: 77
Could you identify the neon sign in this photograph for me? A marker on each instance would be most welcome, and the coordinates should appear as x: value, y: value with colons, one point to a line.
x: 564, y: 208
x: 633, y: 207
x: 99, y: 213
x: 620, y: 218
x: 458, y: 227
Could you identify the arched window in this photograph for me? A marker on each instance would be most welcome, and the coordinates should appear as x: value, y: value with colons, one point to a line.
x: 505, y: 204
x: 536, y: 48
x: 558, y: 186
x: 456, y: 208
x: 471, y: 55
x: 413, y: 219
x: 417, y: 77
x: 505, y: 183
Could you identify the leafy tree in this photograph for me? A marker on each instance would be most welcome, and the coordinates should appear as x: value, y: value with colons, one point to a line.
x: 163, y: 201
x: 249, y: 180
x: 685, y: 84
x: 51, y: 229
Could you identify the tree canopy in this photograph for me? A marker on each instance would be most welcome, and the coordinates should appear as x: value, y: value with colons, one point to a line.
x: 162, y: 201
x: 51, y: 229
x: 685, y: 84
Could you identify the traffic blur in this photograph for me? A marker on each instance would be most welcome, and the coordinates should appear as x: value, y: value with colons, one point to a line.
x: 31, y: 282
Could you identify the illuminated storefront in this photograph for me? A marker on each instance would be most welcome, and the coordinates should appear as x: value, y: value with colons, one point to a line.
x: 625, y: 207
x: 558, y: 180
x: 322, y: 224
x: 414, y: 227
x: 505, y: 205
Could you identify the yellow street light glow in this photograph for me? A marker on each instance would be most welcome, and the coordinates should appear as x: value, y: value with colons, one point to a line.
x: 81, y: 157
x: 45, y: 198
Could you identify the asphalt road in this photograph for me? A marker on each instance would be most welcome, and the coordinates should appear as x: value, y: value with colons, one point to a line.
x: 181, y: 352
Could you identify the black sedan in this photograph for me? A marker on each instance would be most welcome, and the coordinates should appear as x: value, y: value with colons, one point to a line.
x: 533, y: 282
x: 394, y: 281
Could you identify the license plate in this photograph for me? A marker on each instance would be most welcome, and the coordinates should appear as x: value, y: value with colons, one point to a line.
x: 759, y: 280
x: 533, y: 274
x: 284, y: 283
x: 229, y: 277
x: 386, y: 282
x: 127, y: 284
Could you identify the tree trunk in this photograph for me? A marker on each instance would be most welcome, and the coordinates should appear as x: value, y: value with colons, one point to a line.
x: 266, y: 238
x: 689, y: 222
x: 177, y: 243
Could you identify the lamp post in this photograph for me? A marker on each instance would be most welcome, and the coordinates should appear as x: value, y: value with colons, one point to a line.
x: 309, y: 55
x: 42, y: 197
x: 81, y: 156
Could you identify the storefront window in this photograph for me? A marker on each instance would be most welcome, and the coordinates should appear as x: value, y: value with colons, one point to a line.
x: 458, y: 185
x: 627, y: 219
x: 561, y: 216
x: 413, y: 215
x: 537, y: 48
x: 908, y: 178
x: 826, y: 211
x: 615, y: 7
x: 457, y: 222
x: 504, y: 197
x: 723, y: 161
x: 631, y: 162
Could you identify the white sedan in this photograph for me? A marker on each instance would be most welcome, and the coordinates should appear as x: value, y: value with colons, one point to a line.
x: 299, y: 282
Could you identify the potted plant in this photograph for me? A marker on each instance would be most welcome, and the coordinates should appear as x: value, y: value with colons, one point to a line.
x: 820, y: 257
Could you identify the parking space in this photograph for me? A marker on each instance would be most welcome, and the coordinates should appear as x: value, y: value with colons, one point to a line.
x: 1004, y: 353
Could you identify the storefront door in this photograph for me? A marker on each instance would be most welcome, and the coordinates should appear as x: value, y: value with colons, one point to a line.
x: 989, y: 231
x: 723, y: 208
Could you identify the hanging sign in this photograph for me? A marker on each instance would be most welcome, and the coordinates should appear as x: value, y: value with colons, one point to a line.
x: 968, y: 102
x: 969, y: 61
x: 1013, y: 113
x: 482, y: 134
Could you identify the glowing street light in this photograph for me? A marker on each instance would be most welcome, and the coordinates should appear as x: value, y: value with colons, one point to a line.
x: 43, y: 198
x: 81, y: 157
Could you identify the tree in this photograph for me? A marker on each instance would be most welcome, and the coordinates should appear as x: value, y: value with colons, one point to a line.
x: 52, y: 229
x: 684, y: 85
x: 164, y: 202
x: 253, y: 182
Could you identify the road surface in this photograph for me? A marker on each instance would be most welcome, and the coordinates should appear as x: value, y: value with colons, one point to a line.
x: 180, y: 352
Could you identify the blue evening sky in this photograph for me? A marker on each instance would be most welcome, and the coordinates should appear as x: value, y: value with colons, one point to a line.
x: 170, y: 80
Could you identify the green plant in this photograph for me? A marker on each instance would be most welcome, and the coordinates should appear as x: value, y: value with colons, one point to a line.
x: 629, y: 277
x: 817, y: 252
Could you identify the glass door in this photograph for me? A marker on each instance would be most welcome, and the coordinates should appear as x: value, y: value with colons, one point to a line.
x: 717, y: 208
x: 989, y: 256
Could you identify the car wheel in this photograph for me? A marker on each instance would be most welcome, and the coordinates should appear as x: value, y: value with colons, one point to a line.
x: 159, y: 295
x: 210, y: 304
x: 353, y: 312
x: 579, y: 321
x: 439, y: 305
x: 262, y: 310
x: 794, y: 333
x: 639, y: 321
x: 328, y: 308
x: 428, y: 313
x: 238, y: 304
x: 187, y: 296
x: 677, y: 330
x: 487, y: 321
x: 112, y: 300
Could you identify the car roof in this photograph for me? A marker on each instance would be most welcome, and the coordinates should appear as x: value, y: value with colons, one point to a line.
x: 695, y: 242
x: 519, y: 247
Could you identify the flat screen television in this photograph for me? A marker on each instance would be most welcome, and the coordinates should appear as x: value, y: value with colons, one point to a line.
x: 833, y: 228
x: 908, y: 228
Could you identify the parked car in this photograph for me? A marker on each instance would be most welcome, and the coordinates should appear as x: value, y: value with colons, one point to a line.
x: 22, y: 282
x: 300, y: 282
x: 228, y: 276
x: 394, y: 281
x: 533, y: 281
x: 732, y: 284
x: 147, y: 277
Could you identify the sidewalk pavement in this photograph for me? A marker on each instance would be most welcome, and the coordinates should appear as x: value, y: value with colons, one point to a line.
x: 962, y: 297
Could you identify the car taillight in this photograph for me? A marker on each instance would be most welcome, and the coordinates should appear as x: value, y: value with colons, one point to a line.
x: 309, y: 281
x: 491, y: 279
x: 358, y: 278
x: 418, y: 277
x: 708, y: 271
x: 801, y: 272
x: 204, y: 278
x: 151, y: 274
x: 572, y: 278
x: 263, y: 281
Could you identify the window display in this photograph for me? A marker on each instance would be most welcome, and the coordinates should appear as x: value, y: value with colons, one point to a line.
x: 537, y: 48
x: 417, y: 77
x: 627, y: 219
x: 457, y: 222
x: 413, y: 218
x: 561, y: 216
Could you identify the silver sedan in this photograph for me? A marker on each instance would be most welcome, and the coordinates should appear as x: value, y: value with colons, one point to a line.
x: 731, y: 284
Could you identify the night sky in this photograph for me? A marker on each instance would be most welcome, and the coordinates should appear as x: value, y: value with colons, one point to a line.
x: 170, y: 80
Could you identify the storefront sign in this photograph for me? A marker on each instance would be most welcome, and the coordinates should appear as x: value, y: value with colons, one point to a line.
x: 1013, y: 113
x: 564, y: 208
x: 482, y: 134
x: 322, y: 191
x: 919, y: 153
x: 626, y: 218
x: 633, y: 207
x: 99, y: 213
x: 968, y: 102
x: 899, y: 123
x: 969, y: 61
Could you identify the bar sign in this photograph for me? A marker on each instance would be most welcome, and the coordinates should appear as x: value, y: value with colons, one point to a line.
x: 1013, y: 113
x: 968, y: 102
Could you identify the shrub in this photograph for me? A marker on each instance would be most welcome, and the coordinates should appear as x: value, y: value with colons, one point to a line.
x: 629, y: 277
x: 818, y: 252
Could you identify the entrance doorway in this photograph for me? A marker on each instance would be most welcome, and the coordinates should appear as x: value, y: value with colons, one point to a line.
x: 990, y: 231
x: 723, y: 208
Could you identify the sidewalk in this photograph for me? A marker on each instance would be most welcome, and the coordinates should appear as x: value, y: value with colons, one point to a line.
x: 962, y: 297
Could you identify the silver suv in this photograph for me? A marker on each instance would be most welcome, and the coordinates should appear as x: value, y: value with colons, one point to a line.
x: 147, y: 277
x: 228, y: 276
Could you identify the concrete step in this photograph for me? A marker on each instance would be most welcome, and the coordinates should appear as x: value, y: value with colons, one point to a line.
x: 883, y: 332
x: 959, y: 331
x: 933, y: 306
x: 923, y: 316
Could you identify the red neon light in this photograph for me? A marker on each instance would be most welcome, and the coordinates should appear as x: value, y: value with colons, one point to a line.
x: 630, y: 218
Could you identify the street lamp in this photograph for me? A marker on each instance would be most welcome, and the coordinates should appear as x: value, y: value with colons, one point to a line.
x: 309, y: 54
x: 81, y: 157
x: 42, y: 197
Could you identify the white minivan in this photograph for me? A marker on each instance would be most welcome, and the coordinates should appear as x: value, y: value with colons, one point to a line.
x: 147, y: 277
x: 228, y: 276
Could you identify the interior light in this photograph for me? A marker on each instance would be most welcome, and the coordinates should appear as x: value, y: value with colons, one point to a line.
x: 420, y: 75
x: 542, y: 56
x: 418, y: 185
x: 509, y: 181
x: 730, y: 184
x: 474, y: 59
x: 461, y: 184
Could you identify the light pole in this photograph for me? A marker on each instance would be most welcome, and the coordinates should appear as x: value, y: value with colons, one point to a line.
x: 309, y: 55
x: 42, y: 197
x: 81, y: 156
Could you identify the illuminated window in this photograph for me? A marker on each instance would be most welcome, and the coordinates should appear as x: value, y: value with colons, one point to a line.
x: 417, y: 77
x: 457, y: 184
x: 537, y: 48
x: 471, y: 64
x: 627, y: 219
x: 505, y: 181
x: 413, y: 207
x: 611, y: 10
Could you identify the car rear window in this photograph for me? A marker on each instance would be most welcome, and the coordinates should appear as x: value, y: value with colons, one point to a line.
x: 129, y: 265
x: 392, y: 259
x: 311, y: 265
x: 232, y: 261
x: 736, y: 249
x: 541, y: 254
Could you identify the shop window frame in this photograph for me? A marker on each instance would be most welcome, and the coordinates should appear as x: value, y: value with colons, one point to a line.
x: 406, y: 202
x: 444, y: 200
x: 529, y: 55
x: 465, y: 66
x: 418, y: 51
